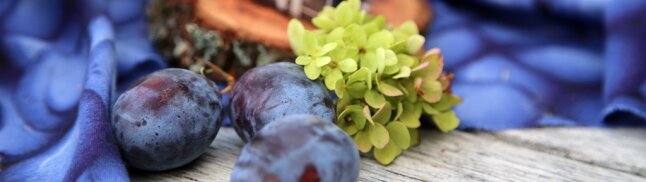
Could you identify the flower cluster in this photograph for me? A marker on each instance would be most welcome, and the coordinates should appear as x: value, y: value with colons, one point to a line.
x: 383, y: 79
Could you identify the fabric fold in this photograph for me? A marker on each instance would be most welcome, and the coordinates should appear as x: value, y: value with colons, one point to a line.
x: 57, y: 87
x: 544, y: 62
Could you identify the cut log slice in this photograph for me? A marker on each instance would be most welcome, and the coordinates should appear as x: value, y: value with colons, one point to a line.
x: 399, y: 11
x: 250, y: 21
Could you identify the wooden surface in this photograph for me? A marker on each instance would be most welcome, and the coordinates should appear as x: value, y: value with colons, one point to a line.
x: 553, y: 154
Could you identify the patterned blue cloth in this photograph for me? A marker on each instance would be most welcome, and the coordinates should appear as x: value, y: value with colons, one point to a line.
x: 527, y: 63
x: 58, y: 67
x: 518, y: 63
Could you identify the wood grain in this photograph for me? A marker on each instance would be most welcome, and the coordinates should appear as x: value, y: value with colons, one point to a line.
x: 554, y: 154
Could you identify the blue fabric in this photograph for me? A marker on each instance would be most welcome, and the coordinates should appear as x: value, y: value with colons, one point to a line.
x: 59, y: 62
x: 518, y: 63
x: 528, y: 63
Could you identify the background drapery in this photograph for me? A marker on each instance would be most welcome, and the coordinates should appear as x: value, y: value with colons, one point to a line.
x: 517, y: 63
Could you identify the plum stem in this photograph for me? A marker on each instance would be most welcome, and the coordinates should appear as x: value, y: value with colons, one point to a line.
x: 217, y: 72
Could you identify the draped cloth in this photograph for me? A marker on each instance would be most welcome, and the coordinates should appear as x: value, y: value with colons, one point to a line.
x: 528, y: 63
x: 59, y: 65
x: 517, y: 63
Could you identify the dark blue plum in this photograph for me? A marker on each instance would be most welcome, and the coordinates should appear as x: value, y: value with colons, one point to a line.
x: 298, y: 148
x: 167, y: 119
x: 273, y: 91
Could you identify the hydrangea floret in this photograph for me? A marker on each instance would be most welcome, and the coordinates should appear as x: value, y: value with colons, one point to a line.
x: 383, y: 78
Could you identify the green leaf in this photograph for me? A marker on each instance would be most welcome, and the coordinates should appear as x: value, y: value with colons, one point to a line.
x: 378, y: 135
x: 414, y: 136
x: 410, y: 88
x: 323, y: 22
x: 435, y: 71
x: 344, y: 14
x: 355, y: 5
x: 327, y: 11
x: 358, y: 119
x: 446, y: 121
x: 391, y: 70
x: 356, y: 35
x: 367, y: 115
x: 431, y: 91
x: 331, y: 79
x: 388, y: 89
x: 295, y: 33
x: 406, y: 60
x: 353, y: 113
x: 374, y: 25
x: 374, y: 99
x: 361, y: 17
x: 383, y: 114
x: 327, y: 48
x: 310, y: 43
x: 357, y: 89
x: 411, y: 114
x: 362, y: 140
x: 303, y: 60
x: 404, y: 72
x: 410, y: 122
x: 354, y: 108
x: 351, y: 52
x: 380, y: 59
x: 363, y: 74
x: 431, y: 66
x: 414, y: 44
x: 399, y: 46
x: 428, y: 109
x: 348, y: 65
x: 399, y: 134
x: 380, y: 39
x: 369, y: 61
x: 325, y: 70
x: 349, y: 129
x: 343, y: 101
x: 312, y: 71
x: 387, y: 154
x: 400, y: 110
x: 422, y: 68
x: 339, y: 88
x: 350, y: 113
x: 336, y: 35
x: 401, y: 86
x: 391, y: 58
x: 447, y: 102
x: 408, y: 27
x: 322, y: 61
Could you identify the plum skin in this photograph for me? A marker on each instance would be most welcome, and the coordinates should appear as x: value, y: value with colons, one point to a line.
x: 167, y: 119
x: 273, y: 91
x: 298, y: 148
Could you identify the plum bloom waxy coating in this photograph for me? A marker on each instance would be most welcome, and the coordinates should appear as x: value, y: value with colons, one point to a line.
x: 273, y: 91
x: 298, y: 148
x: 167, y: 119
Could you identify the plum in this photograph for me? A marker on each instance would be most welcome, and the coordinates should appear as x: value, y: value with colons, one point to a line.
x: 166, y: 119
x: 273, y: 91
x: 298, y: 148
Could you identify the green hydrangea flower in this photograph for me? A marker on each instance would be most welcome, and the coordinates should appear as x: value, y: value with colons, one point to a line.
x: 383, y: 81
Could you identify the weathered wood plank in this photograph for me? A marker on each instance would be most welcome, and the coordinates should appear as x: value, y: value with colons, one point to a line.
x: 563, y: 154
x: 617, y: 149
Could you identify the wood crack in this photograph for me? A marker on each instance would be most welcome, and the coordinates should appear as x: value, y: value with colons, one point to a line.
x: 403, y: 175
